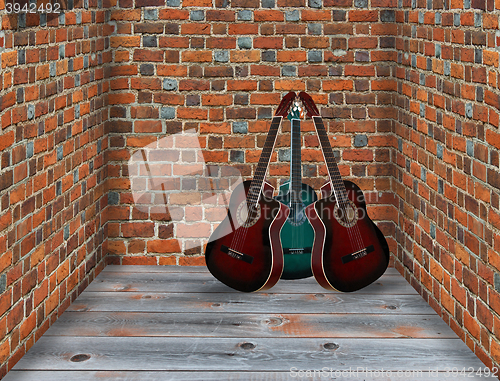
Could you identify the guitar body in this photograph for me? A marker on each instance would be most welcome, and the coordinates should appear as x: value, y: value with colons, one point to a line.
x: 297, y: 235
x: 335, y: 264
x: 248, y: 258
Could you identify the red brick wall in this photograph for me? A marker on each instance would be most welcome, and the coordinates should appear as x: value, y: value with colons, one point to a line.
x: 408, y: 90
x: 447, y: 166
x: 53, y: 106
x: 221, y: 71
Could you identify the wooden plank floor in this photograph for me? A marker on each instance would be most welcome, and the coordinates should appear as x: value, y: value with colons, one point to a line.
x: 179, y: 323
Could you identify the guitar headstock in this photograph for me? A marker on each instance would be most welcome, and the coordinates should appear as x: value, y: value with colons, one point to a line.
x: 285, y: 104
x: 308, y: 104
x: 296, y: 110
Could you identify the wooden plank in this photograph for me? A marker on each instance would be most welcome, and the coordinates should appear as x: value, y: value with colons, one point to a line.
x: 205, y: 282
x: 113, y: 324
x: 262, y: 354
x: 181, y: 269
x: 251, y: 303
x: 234, y: 376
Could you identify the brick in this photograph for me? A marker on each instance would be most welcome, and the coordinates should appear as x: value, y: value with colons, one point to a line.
x: 163, y: 246
x: 137, y: 229
x: 362, y: 16
x: 245, y: 56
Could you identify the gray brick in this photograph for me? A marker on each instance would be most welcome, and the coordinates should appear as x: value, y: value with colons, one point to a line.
x: 31, y: 112
x: 289, y: 71
x: 447, y: 68
x: 314, y: 29
x: 60, y: 152
x: 29, y: 149
x: 237, y: 156
x: 437, y: 18
x: 470, y: 148
x: 361, y: 3
x: 315, y: 56
x: 496, y: 279
x: 149, y: 41
x: 245, y: 15
x: 268, y: 3
x: 169, y: 84
x: 360, y: 140
x: 292, y: 15
x: 147, y: 69
x: 269, y: 56
x: 197, y: 15
x: 315, y: 3
x: 439, y: 151
x: 478, y: 20
x: 151, y: 14
x: 387, y: 16
x: 284, y: 154
x: 221, y: 56
x: 468, y: 110
x: 240, y: 127
x: 168, y: 113
x: 245, y: 42
x: 113, y: 198
x: 52, y: 69
x: 3, y: 283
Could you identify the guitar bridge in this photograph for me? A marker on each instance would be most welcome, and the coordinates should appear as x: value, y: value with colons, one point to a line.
x: 358, y: 254
x: 236, y: 254
x: 297, y: 251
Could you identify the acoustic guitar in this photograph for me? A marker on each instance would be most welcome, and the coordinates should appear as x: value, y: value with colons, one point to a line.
x: 349, y: 251
x: 297, y: 235
x: 244, y: 251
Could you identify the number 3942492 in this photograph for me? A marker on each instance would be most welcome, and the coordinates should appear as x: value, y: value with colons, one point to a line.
x: 32, y: 8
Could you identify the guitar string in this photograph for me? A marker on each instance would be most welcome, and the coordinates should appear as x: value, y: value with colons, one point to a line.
x: 294, y: 180
x: 252, y: 209
x: 353, y: 232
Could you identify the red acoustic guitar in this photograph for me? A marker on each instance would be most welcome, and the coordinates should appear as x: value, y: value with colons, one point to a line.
x: 245, y: 251
x: 349, y: 251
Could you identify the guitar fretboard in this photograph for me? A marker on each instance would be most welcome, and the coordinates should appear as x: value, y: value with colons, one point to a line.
x: 295, y: 163
x: 331, y: 163
x: 265, y: 157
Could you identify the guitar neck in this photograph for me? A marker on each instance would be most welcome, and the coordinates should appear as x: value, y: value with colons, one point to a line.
x: 265, y: 157
x: 295, y: 162
x: 331, y: 163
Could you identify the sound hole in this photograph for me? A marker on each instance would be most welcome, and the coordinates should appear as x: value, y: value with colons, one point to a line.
x: 346, y: 214
x: 248, y: 214
x: 297, y: 215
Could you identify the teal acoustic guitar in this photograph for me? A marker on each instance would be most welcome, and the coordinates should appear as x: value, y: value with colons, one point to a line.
x: 297, y: 234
